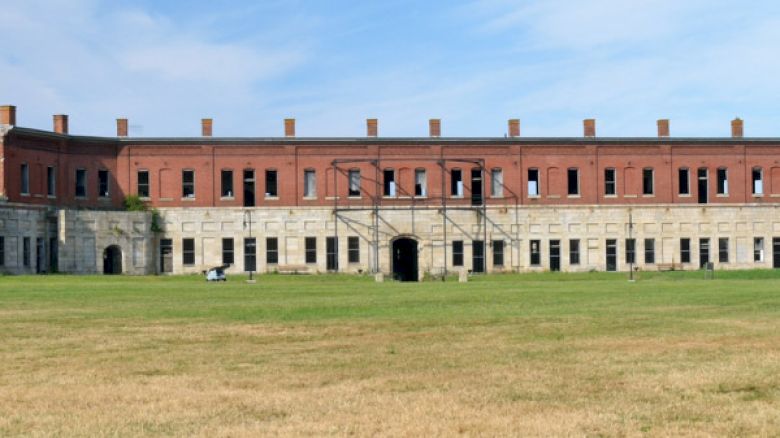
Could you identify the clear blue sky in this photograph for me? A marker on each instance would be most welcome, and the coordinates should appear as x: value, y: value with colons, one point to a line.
x: 332, y: 64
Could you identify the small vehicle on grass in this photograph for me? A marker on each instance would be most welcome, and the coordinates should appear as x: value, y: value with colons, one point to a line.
x: 217, y: 273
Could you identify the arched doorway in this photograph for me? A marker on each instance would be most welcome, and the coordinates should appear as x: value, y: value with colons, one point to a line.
x: 112, y: 260
x: 405, y: 259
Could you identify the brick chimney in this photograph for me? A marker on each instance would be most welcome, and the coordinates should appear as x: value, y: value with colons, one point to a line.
x: 289, y: 127
x: 514, y: 127
x: 737, y: 128
x: 372, y: 127
x: 61, y: 123
x: 7, y: 115
x: 206, y: 127
x: 121, y: 127
x: 589, y: 127
x: 663, y: 128
x: 434, y: 127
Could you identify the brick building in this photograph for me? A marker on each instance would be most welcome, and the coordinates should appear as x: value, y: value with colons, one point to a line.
x: 406, y: 206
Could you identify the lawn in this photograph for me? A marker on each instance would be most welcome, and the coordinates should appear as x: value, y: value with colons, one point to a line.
x: 532, y: 354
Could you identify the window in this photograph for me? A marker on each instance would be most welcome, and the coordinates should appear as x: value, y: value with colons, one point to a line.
x: 497, y: 183
x: 25, y: 175
x: 353, y: 249
x: 758, y: 249
x: 456, y: 183
x: 2, y: 251
x: 723, y: 181
x: 758, y: 181
x: 457, y: 253
x: 630, y: 251
x: 647, y: 181
x: 227, y: 184
x: 354, y: 182
x: 389, y: 182
x: 188, y: 184
x: 331, y: 253
x: 188, y: 252
x: 26, y: 251
x: 103, y: 183
x: 685, y: 250
x: 649, y: 251
x: 704, y: 252
x: 684, y: 181
x: 309, y: 183
x: 81, y: 183
x: 478, y: 256
x: 420, y: 183
x: 723, y: 250
x: 573, y: 181
x: 227, y: 252
x: 250, y: 254
x: 498, y: 253
x: 574, y: 251
x: 610, y: 183
x: 311, y: 249
x: 271, y: 250
x: 536, y: 253
x: 271, y: 186
x: 533, y: 182
x: 51, y: 181
x: 143, y: 183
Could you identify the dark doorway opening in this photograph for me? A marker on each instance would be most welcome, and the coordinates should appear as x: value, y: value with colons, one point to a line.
x: 704, y: 252
x: 112, y: 260
x: 476, y: 186
x: 53, y: 254
x: 702, y: 177
x: 405, y: 259
x: 776, y: 252
x: 611, y: 255
x: 478, y: 256
x: 166, y: 255
x: 331, y: 254
x: 40, y: 256
x: 555, y: 255
x: 249, y: 187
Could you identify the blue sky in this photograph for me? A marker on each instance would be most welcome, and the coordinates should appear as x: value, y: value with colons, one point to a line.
x: 332, y: 64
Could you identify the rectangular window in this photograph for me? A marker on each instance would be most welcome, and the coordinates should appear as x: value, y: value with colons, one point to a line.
x: 389, y: 182
x: 684, y: 181
x: 81, y: 183
x: 353, y: 249
x: 630, y: 251
x: 26, y: 251
x: 723, y: 181
x: 536, y: 253
x: 574, y: 251
x: 103, y: 183
x: 250, y: 254
x: 25, y: 182
x: 271, y: 250
x: 685, y: 250
x: 420, y: 183
x: 143, y: 183
x: 51, y: 181
x: 649, y: 251
x: 573, y: 181
x: 610, y: 183
x: 2, y: 251
x: 723, y: 250
x: 647, y: 181
x: 187, y: 183
x: 227, y: 184
x: 227, y: 252
x: 758, y: 249
x: 758, y: 181
x: 533, y: 182
x: 354, y: 182
x: 457, y: 253
x: 498, y: 253
x: 271, y: 183
x: 309, y: 183
x: 188, y: 252
x: 704, y: 252
x: 478, y: 256
x: 311, y: 249
x: 497, y: 183
x: 456, y: 182
x: 331, y: 254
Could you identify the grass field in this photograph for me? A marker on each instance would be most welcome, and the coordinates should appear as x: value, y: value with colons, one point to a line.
x: 535, y: 354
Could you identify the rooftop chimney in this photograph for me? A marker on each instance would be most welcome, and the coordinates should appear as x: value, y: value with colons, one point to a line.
x: 61, y: 123
x: 121, y: 127
x: 737, y: 128
x: 7, y: 115
x: 206, y: 127
x: 589, y: 127
x: 663, y: 128
x: 289, y: 127
x: 434, y: 126
x: 514, y: 128
x: 372, y: 127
